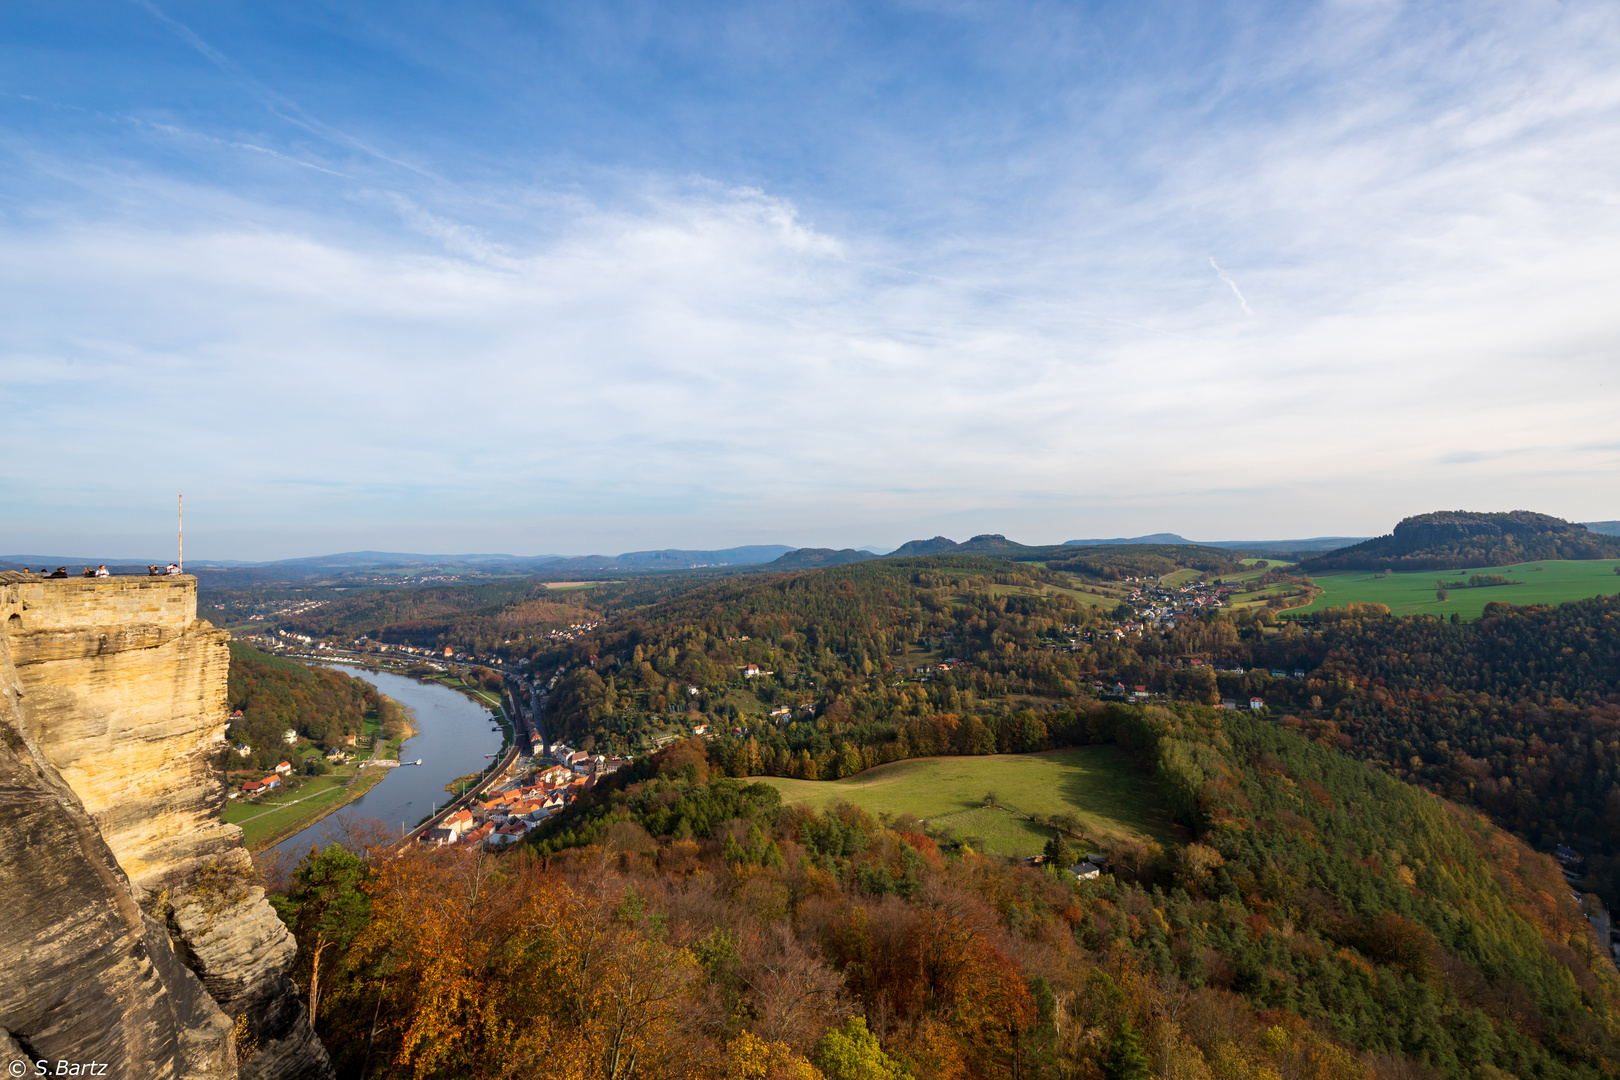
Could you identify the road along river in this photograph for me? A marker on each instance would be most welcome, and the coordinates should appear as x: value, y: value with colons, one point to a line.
x: 454, y: 733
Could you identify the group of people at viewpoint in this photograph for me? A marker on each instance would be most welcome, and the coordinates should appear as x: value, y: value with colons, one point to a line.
x: 102, y: 571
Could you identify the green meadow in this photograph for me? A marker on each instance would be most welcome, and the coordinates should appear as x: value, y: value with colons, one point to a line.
x: 1099, y: 785
x: 279, y: 813
x: 1549, y: 582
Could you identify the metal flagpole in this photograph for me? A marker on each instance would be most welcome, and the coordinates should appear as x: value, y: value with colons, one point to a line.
x: 180, y: 518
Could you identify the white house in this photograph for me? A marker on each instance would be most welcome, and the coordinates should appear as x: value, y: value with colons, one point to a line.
x: 508, y: 834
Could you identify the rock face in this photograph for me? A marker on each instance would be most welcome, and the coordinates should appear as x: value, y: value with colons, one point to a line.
x: 141, y: 940
x: 1451, y: 527
x: 1457, y: 539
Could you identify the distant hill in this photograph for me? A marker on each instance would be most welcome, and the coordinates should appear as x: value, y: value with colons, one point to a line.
x: 1150, y: 538
x: 1458, y: 539
x: 1108, y: 560
x: 1310, y: 543
x: 361, y: 560
x: 816, y: 558
x: 1116, y: 561
x: 937, y: 546
x: 1607, y: 528
x: 1313, y: 543
x: 991, y: 544
x: 677, y: 558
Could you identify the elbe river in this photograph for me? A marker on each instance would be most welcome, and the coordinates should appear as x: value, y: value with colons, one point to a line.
x: 454, y: 733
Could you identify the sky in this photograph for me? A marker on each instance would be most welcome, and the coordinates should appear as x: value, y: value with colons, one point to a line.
x: 589, y: 278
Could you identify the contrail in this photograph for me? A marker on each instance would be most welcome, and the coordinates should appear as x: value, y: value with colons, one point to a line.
x: 277, y: 103
x: 1237, y: 292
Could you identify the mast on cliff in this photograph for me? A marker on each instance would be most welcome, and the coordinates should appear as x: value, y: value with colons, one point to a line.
x: 180, y: 522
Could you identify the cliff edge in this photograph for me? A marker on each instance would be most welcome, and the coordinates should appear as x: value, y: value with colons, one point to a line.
x: 139, y: 938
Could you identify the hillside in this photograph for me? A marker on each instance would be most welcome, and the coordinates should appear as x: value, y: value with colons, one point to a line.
x: 815, y: 558
x: 1172, y: 552
x: 1458, y: 539
x: 843, y: 642
x: 1370, y: 912
x: 1517, y: 713
x: 911, y: 548
x: 1117, y: 561
x: 1098, y: 792
x: 1326, y: 908
x: 276, y: 695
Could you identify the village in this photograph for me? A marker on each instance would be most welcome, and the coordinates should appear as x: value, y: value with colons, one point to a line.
x: 539, y: 786
x: 1160, y: 605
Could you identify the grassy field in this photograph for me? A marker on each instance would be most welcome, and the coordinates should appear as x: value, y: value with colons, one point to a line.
x: 1549, y: 582
x: 477, y: 693
x: 1096, y: 594
x: 283, y: 813
x: 1099, y: 785
x: 309, y: 803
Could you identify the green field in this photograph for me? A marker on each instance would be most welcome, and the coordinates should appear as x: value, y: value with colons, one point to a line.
x: 1099, y: 785
x: 1549, y: 582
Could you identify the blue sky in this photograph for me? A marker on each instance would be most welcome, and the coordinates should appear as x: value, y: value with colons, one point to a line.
x: 574, y: 278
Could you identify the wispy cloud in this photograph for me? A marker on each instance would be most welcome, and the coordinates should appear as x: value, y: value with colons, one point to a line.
x: 1224, y: 276
x: 282, y: 106
x: 616, y: 354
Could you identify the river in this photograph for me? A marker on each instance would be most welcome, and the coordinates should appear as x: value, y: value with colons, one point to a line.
x: 453, y: 735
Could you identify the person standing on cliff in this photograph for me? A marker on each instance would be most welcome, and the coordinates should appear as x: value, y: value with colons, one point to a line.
x: 102, y: 571
x: 170, y: 570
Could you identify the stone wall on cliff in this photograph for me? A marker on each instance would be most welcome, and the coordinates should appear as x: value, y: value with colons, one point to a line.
x: 145, y: 937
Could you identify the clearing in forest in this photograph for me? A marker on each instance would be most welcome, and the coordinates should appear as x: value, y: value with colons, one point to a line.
x: 1108, y: 795
x: 1551, y: 581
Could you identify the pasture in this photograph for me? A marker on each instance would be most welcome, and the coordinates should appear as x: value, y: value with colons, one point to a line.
x: 1109, y: 796
x: 1548, y: 582
x: 1090, y: 596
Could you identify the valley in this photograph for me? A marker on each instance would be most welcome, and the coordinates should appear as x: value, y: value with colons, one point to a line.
x: 1156, y: 756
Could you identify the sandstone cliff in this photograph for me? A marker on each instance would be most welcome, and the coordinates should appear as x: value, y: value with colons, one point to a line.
x: 138, y: 936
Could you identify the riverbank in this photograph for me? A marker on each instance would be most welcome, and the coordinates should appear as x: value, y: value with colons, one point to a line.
x: 266, y: 824
x: 450, y: 680
x: 455, y: 735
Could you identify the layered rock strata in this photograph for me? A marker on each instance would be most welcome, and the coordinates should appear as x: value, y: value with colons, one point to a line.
x: 141, y: 939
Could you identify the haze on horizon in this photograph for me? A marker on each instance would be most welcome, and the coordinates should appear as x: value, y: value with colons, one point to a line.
x: 537, y: 279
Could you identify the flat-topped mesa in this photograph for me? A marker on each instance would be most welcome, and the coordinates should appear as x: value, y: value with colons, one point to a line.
x: 117, y: 706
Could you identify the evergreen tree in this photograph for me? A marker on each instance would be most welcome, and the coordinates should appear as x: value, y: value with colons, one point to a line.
x: 1126, y: 1059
